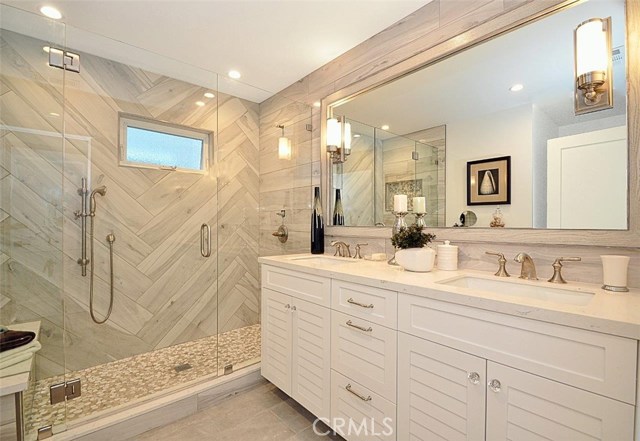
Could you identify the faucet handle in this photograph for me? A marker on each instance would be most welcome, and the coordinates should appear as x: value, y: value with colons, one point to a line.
x: 359, y: 246
x: 502, y: 261
x: 557, y: 268
x: 336, y: 244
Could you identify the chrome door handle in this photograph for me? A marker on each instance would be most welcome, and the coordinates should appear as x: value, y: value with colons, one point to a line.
x: 362, y: 305
x: 362, y: 397
x: 369, y: 329
x: 205, y: 240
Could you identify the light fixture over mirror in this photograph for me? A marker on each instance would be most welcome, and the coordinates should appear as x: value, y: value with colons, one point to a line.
x: 284, y: 145
x: 594, y: 89
x: 338, y: 139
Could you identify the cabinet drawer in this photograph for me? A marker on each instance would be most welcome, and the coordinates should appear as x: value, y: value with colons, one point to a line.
x: 600, y: 363
x: 366, y: 352
x: 357, y: 413
x: 297, y: 284
x: 374, y: 304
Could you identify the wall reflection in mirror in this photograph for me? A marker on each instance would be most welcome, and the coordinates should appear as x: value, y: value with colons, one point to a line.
x: 512, y: 96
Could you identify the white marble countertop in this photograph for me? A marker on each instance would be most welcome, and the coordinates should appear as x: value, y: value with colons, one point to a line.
x: 607, y: 312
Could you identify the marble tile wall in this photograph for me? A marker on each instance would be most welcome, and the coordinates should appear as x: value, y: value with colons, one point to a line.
x: 165, y: 292
x: 434, y: 23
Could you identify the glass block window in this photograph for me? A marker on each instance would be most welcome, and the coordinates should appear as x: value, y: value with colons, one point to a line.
x: 148, y: 143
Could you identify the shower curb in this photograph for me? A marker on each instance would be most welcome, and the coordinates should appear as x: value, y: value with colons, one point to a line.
x: 158, y: 412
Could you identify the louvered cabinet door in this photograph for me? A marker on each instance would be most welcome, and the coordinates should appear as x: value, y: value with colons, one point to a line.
x: 526, y: 407
x: 441, y: 392
x: 311, y: 359
x: 276, y: 339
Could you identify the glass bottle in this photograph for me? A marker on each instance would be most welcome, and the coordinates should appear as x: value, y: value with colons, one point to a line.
x: 338, y: 213
x: 317, y: 224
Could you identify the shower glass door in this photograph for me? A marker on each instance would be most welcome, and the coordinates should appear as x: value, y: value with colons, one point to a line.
x: 32, y: 205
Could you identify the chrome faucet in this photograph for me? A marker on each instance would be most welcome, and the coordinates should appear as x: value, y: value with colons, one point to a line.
x: 342, y: 248
x: 528, y: 270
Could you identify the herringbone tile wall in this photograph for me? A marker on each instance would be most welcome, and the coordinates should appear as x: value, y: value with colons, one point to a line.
x: 165, y: 291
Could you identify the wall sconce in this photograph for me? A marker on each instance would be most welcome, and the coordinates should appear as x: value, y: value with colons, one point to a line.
x: 338, y: 139
x: 594, y: 80
x: 284, y: 145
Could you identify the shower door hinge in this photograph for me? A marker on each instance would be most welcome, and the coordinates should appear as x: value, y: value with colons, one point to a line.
x: 415, y: 155
x: 65, y: 391
x: 64, y: 60
x: 309, y: 127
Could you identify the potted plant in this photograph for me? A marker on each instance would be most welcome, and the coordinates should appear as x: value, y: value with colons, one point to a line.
x: 412, y: 254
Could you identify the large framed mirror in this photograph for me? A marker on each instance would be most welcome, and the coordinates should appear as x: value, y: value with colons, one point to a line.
x: 435, y: 132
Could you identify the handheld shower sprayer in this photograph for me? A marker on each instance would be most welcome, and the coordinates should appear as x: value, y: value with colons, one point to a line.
x: 111, y: 238
x: 102, y: 190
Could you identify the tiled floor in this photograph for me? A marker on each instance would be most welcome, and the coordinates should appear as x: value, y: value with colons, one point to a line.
x: 122, y: 382
x: 258, y: 414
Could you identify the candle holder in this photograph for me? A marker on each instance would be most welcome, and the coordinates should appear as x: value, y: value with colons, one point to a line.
x: 420, y: 219
x: 398, y: 225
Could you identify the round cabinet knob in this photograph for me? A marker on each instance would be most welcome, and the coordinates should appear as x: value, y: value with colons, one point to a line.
x: 495, y: 385
x: 474, y: 377
x: 287, y: 306
x: 293, y: 308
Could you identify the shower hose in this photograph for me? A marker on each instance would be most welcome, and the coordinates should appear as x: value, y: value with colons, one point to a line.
x: 110, y: 238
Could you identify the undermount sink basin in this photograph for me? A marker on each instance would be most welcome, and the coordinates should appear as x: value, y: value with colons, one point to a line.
x: 522, y: 290
x: 324, y: 260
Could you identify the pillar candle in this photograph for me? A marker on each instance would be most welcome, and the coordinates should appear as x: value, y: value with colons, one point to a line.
x: 400, y: 203
x: 419, y: 205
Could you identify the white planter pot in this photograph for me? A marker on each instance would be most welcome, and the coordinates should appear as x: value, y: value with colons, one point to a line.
x: 416, y: 259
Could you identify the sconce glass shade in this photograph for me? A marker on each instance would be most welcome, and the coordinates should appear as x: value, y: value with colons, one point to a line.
x: 347, y: 138
x: 284, y: 148
x: 592, y: 47
x: 593, y: 66
x: 333, y: 134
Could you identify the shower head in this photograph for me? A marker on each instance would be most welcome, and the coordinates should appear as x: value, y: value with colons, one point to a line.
x: 102, y: 190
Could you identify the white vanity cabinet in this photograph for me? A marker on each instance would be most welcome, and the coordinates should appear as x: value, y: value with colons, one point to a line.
x: 538, y: 380
x: 387, y: 365
x: 296, y: 337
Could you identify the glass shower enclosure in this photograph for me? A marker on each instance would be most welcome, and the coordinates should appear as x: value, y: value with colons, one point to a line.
x: 174, y: 251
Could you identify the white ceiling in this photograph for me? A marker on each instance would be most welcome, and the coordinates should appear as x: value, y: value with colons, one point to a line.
x: 477, y: 81
x: 272, y: 43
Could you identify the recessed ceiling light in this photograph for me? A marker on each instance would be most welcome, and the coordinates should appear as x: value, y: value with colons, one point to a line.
x: 234, y: 74
x: 316, y: 104
x: 384, y: 127
x: 208, y: 95
x: 46, y: 49
x: 51, y: 12
x: 516, y: 88
x: 199, y: 103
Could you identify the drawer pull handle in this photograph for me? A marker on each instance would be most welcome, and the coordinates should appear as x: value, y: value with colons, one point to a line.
x: 362, y: 328
x: 362, y: 305
x: 495, y: 386
x: 362, y: 397
x: 474, y: 377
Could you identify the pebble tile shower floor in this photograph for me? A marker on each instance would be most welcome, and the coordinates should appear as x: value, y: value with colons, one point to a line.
x: 120, y: 382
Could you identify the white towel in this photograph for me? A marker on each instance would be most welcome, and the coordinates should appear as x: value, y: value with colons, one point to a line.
x: 24, y: 353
